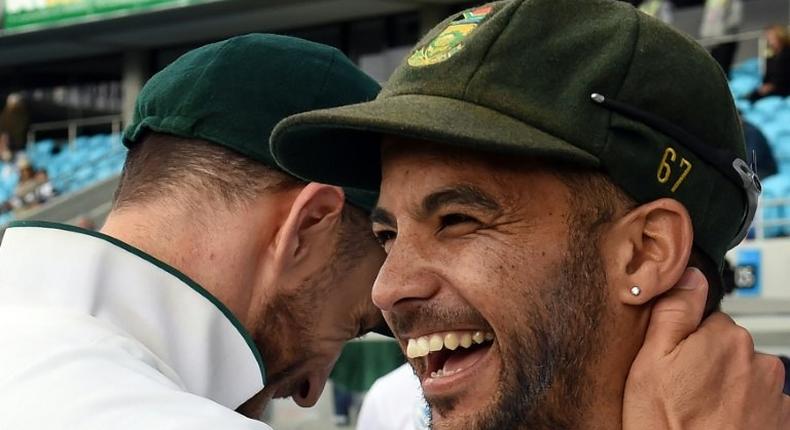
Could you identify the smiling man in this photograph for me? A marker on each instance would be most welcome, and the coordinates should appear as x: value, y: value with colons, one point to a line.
x: 546, y: 170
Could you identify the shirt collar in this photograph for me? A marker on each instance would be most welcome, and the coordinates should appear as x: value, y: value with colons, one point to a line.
x: 191, y: 331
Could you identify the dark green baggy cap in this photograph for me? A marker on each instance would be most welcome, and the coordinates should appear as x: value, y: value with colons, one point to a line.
x: 590, y: 82
x: 232, y: 93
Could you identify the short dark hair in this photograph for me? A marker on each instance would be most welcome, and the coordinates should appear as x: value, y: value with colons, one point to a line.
x: 193, y: 171
x: 196, y: 171
x: 600, y: 198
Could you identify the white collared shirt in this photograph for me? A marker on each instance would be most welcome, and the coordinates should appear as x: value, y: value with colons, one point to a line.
x: 95, y: 334
x: 395, y: 402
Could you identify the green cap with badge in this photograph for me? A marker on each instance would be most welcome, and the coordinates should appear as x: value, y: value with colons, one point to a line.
x: 232, y: 93
x: 595, y: 83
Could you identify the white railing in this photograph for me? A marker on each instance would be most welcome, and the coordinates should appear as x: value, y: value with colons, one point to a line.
x: 760, y: 223
x: 73, y: 126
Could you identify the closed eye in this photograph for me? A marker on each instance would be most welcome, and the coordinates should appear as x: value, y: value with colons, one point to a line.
x: 450, y: 220
x: 384, y: 237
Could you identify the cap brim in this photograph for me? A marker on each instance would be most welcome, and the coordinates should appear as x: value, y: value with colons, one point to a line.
x: 341, y: 146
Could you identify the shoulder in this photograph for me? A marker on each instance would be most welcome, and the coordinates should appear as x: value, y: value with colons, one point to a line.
x: 67, y: 370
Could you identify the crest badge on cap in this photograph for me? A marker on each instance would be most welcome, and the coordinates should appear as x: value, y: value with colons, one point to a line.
x: 450, y: 41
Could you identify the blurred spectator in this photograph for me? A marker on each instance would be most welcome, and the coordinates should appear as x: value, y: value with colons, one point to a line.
x: 758, y: 150
x: 34, y: 187
x: 776, y: 81
x: 6, y: 155
x: 722, y: 18
x: 14, y: 120
x: 395, y: 402
x: 661, y: 9
x: 86, y: 223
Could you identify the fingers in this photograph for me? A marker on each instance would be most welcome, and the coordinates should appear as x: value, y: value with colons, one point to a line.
x: 785, y: 412
x: 677, y: 313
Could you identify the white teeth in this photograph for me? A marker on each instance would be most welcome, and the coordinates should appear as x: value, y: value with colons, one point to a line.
x: 436, y: 343
x: 442, y: 374
x: 411, y: 349
x: 466, y: 340
x: 422, y: 346
x: 451, y: 341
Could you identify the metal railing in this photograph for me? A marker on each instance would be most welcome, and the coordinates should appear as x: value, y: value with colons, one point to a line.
x: 73, y: 125
x: 760, y: 224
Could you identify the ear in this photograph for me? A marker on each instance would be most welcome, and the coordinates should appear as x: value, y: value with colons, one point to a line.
x: 648, y: 248
x: 310, y: 224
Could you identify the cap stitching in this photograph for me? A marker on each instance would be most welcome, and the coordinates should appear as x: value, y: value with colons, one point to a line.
x: 200, y: 77
x: 484, y: 57
x: 607, y: 139
x: 321, y: 89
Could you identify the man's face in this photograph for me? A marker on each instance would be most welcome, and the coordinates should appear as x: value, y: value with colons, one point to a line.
x: 491, y: 255
x: 303, y: 333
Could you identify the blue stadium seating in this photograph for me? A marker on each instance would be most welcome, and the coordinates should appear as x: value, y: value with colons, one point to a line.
x: 772, y: 116
x: 776, y: 187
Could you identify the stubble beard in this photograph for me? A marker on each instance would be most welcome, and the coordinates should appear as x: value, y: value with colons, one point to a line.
x: 545, y: 381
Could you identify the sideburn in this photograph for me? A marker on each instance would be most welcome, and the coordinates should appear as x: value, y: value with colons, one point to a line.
x: 546, y: 381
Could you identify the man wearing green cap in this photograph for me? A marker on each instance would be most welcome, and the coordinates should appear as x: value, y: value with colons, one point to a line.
x: 548, y: 168
x: 216, y: 277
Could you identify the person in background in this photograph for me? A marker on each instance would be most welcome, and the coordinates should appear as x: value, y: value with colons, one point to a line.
x: 776, y: 81
x: 14, y: 120
x: 6, y: 154
x: 722, y: 18
x: 86, y: 223
x: 25, y: 189
x: 395, y: 402
x: 758, y: 151
x: 661, y: 9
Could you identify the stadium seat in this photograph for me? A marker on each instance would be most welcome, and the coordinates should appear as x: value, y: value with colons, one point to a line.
x: 769, y: 105
x: 757, y: 118
x: 750, y: 67
x: 775, y: 187
x: 743, y: 105
x: 742, y: 86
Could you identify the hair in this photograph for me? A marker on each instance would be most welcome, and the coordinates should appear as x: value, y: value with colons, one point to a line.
x: 599, y: 199
x: 781, y: 32
x: 197, y: 173
x: 192, y: 172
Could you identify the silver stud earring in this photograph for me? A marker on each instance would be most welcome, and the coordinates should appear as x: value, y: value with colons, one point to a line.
x: 636, y: 291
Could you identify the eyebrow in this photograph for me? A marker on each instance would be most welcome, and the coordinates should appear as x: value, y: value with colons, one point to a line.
x: 466, y: 195
x: 382, y: 216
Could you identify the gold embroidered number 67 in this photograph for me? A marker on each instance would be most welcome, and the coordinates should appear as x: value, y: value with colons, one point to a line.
x: 665, y: 168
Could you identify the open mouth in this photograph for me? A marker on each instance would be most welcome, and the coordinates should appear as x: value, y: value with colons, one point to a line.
x: 450, y: 353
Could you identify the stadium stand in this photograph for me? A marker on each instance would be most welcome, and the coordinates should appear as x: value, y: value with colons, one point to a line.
x: 772, y: 116
x: 71, y: 167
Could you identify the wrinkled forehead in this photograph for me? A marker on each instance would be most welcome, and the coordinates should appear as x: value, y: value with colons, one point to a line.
x: 414, y: 168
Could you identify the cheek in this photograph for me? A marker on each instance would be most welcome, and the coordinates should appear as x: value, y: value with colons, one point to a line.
x: 495, y: 275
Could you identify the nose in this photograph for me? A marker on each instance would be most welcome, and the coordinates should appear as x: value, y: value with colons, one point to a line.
x: 404, y: 276
x: 310, y: 389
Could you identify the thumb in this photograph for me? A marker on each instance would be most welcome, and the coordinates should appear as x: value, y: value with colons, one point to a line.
x: 677, y: 313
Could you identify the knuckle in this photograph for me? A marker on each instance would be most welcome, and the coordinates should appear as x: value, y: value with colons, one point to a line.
x: 742, y: 339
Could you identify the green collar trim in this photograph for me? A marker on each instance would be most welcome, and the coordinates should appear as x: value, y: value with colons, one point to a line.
x: 164, y: 266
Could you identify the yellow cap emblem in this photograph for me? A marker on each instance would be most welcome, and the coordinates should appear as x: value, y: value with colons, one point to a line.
x: 450, y: 41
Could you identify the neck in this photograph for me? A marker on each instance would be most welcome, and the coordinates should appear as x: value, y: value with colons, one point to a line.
x: 604, y: 404
x: 215, y: 249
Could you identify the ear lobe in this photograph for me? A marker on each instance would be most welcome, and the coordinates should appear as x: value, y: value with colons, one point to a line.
x: 651, y: 247
x: 313, y: 216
